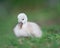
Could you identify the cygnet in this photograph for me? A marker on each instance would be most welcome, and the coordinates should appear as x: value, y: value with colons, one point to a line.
x: 24, y: 28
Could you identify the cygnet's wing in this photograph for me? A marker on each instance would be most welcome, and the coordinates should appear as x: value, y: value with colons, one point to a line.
x: 35, y: 29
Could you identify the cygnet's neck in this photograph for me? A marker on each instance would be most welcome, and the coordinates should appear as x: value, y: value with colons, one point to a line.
x: 25, y: 24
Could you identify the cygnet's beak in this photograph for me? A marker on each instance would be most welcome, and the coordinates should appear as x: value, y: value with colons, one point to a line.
x: 20, y: 24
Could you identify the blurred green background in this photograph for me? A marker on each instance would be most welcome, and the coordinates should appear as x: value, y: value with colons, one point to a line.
x: 46, y: 13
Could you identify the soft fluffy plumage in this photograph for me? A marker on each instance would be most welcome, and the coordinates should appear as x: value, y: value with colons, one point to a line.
x: 25, y: 28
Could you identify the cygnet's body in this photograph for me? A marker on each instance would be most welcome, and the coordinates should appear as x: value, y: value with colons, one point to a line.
x: 25, y: 28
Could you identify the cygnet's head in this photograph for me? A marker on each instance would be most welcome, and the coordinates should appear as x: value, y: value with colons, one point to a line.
x: 22, y: 17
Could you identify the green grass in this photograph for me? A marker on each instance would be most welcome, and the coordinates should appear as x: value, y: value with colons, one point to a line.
x: 50, y: 38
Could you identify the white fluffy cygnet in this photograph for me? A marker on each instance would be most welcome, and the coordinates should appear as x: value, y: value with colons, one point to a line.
x: 25, y: 28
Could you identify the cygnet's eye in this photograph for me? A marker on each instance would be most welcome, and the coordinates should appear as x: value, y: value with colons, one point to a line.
x: 22, y: 19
